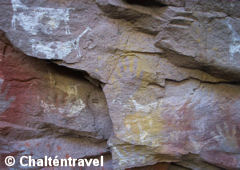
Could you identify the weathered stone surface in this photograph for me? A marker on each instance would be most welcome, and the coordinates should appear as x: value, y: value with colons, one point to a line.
x: 169, y: 69
x: 177, y: 118
x: 205, y: 35
x: 49, y: 110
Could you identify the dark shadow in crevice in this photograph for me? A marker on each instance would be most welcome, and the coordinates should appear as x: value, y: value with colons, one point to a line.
x: 147, y: 3
x: 71, y: 72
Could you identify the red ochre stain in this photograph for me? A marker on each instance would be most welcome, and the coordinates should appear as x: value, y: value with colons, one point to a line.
x: 27, y: 144
x: 48, y: 145
x: 59, y: 148
x: 67, y: 156
x: 37, y: 144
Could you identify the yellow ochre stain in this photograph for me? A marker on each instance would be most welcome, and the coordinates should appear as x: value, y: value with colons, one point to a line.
x: 143, y: 126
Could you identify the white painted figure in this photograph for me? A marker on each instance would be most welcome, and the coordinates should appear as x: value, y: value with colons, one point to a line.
x: 57, y: 49
x: 35, y: 19
x: 235, y: 45
x: 47, y: 20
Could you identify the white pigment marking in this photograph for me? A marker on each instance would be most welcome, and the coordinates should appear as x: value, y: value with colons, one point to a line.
x: 71, y: 109
x: 34, y: 19
x: 58, y: 49
x: 234, y: 47
x: 4, y: 101
x: 145, y: 108
x: 75, y: 108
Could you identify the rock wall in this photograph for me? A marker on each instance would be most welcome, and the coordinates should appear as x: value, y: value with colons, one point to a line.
x: 141, y: 82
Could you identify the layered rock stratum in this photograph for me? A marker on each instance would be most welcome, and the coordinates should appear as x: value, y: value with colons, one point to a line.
x: 146, y: 83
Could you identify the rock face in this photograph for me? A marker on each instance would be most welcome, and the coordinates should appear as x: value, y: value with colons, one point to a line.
x: 49, y: 110
x: 150, y: 82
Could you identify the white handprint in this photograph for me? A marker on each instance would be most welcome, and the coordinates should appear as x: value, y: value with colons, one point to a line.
x: 227, y: 138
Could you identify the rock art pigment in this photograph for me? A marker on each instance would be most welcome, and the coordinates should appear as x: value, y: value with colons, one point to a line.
x: 148, y: 84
